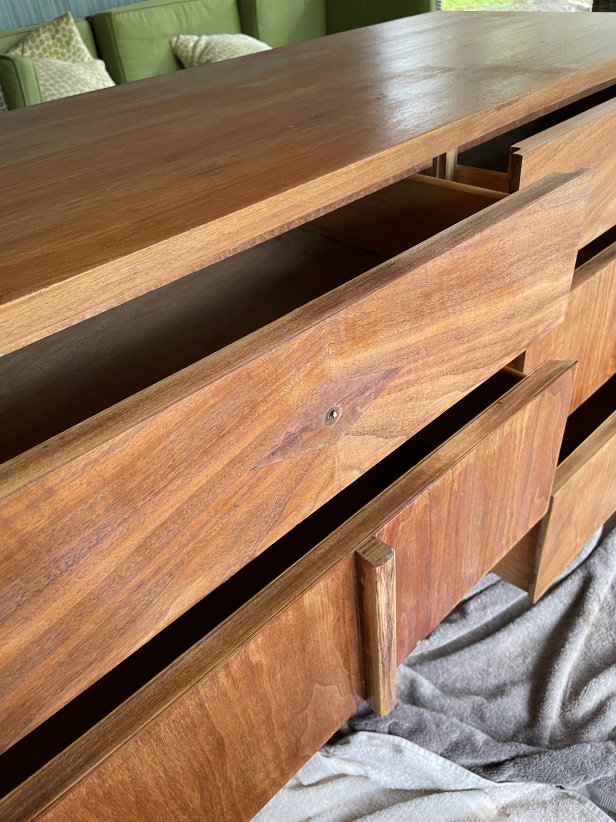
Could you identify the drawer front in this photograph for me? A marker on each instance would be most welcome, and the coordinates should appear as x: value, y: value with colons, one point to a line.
x: 587, y: 333
x: 118, y: 526
x: 221, y: 730
x: 584, y: 497
x: 476, y: 496
x: 585, y: 141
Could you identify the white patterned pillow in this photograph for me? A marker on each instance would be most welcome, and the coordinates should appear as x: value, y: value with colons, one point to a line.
x: 192, y: 50
x: 61, y: 59
x: 59, y: 78
x: 2, y: 101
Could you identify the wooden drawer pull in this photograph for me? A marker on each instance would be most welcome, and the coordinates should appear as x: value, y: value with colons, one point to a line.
x: 376, y: 572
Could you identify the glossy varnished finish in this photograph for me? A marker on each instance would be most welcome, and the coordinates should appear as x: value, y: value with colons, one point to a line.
x: 131, y: 188
x: 470, y: 507
x: 588, y: 333
x: 128, y: 517
x: 585, y: 141
x: 222, y: 726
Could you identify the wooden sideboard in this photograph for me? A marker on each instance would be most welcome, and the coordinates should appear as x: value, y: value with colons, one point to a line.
x: 289, y: 346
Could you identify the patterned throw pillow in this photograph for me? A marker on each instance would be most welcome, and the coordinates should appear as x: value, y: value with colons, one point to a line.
x: 2, y: 101
x: 61, y: 59
x: 192, y: 50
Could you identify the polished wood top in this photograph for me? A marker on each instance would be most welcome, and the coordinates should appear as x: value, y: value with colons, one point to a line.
x: 111, y: 194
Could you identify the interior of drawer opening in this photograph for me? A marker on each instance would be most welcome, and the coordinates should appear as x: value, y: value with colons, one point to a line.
x: 587, y: 417
x: 595, y: 247
x: 494, y: 154
x: 58, y: 732
x: 61, y: 380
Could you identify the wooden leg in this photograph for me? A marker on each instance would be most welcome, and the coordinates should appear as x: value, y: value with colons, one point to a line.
x: 377, y: 595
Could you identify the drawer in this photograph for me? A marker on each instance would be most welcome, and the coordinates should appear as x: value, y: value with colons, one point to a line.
x: 139, y: 446
x: 587, y: 333
x: 583, y: 497
x: 585, y: 140
x: 212, y: 716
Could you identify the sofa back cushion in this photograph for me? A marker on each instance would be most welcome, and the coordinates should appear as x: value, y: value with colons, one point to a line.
x: 134, y: 40
x: 278, y: 22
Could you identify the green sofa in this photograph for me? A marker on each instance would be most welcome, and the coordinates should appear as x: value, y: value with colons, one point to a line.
x: 133, y: 40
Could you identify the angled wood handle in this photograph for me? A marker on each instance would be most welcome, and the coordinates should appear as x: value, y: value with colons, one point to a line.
x: 376, y: 573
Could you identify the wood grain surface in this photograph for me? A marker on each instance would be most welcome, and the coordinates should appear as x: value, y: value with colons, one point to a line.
x: 404, y: 214
x: 227, y: 745
x: 376, y: 578
x: 584, y: 497
x: 127, y: 517
x: 585, y: 141
x: 476, y: 497
x: 518, y: 565
x: 102, y: 751
x: 485, y: 291
x: 588, y: 333
x: 482, y: 177
x: 144, y: 183
x: 65, y: 378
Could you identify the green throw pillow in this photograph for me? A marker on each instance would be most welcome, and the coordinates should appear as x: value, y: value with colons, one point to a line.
x: 61, y: 60
x: 192, y: 50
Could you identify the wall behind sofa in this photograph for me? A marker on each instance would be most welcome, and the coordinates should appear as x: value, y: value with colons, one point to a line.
x: 17, y: 13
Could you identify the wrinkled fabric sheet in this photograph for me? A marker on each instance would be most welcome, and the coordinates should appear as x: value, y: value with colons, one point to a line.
x: 504, y: 712
x: 370, y: 776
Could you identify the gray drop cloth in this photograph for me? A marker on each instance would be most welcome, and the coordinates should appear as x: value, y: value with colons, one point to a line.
x: 370, y: 776
x: 518, y: 693
x: 511, y: 694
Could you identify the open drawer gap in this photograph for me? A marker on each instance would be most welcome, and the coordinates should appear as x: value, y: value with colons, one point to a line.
x: 493, y: 155
x: 62, y: 380
x: 588, y: 417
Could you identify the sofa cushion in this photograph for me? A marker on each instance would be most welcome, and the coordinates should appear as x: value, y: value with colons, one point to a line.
x: 18, y: 78
x: 61, y: 60
x: 65, y: 78
x: 134, y: 41
x: 278, y: 22
x: 192, y: 50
